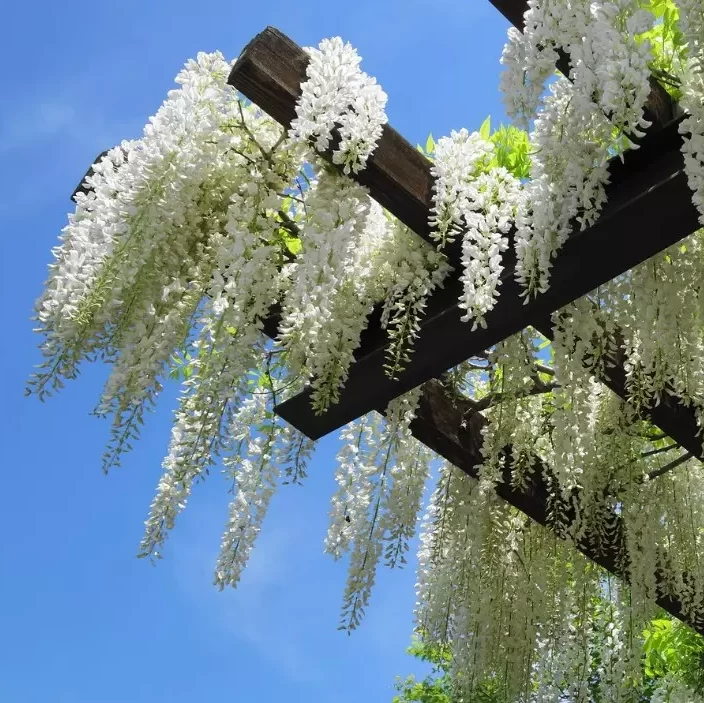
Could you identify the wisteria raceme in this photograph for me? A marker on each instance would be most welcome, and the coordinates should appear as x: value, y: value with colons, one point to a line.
x: 608, y: 64
x: 512, y: 377
x: 657, y: 310
x: 217, y: 382
x: 568, y: 177
x: 459, y: 160
x: 691, y: 22
x: 692, y: 127
x: 609, y: 78
x: 434, y: 577
x: 130, y: 215
x: 530, y: 56
x: 672, y: 690
x: 255, y: 474
x: 354, y: 478
x: 693, y: 130
x: 402, y: 504
x: 409, y: 270
x: 576, y: 397
x: 332, y: 287
x: 390, y: 473
x: 489, y: 214
x: 243, y: 287
x: 144, y: 348
x: 478, y: 204
x: 611, y: 66
x: 338, y: 95
x: 565, y: 630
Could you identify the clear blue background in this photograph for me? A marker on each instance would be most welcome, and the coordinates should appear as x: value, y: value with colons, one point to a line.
x: 82, y: 620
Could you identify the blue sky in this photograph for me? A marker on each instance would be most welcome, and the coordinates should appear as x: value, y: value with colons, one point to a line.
x: 82, y: 620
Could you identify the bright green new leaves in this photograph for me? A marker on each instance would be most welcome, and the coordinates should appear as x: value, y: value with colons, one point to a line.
x: 671, y: 650
x: 667, y: 43
x: 511, y: 148
x: 674, y: 649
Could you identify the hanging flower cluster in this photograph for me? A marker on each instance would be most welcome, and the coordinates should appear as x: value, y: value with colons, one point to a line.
x: 574, y: 130
x: 417, y: 270
x: 524, y: 615
x: 381, y: 476
x: 691, y: 18
x: 540, y: 623
x: 479, y: 204
x: 333, y: 281
x: 599, y: 462
x: 185, y: 249
x: 339, y: 97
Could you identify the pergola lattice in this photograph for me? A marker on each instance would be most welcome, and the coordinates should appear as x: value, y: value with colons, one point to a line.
x: 649, y: 208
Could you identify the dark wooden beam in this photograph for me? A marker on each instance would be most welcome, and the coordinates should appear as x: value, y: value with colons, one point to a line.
x: 512, y: 10
x: 270, y: 71
x: 649, y: 208
x: 679, y: 421
x: 450, y: 426
x: 82, y: 187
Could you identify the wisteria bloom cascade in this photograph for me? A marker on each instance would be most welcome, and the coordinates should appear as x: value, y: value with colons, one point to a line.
x: 225, y: 251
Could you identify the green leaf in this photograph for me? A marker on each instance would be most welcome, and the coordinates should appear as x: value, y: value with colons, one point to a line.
x: 293, y: 244
x: 429, y: 144
x: 485, y: 129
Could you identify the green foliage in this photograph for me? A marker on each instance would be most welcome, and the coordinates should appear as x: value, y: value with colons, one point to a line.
x: 667, y: 44
x: 434, y: 688
x: 485, y: 129
x: 512, y: 148
x: 181, y: 367
x: 437, y: 686
x: 429, y: 144
x: 672, y: 648
x: 291, y: 243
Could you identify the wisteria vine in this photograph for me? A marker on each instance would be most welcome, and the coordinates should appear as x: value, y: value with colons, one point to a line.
x: 221, y: 249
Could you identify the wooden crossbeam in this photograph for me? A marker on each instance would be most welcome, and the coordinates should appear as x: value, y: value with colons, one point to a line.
x: 512, y: 10
x: 450, y: 426
x: 649, y: 209
x: 270, y: 71
x: 674, y: 418
x: 83, y: 187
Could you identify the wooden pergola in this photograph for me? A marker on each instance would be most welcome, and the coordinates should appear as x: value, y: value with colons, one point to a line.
x: 649, y: 208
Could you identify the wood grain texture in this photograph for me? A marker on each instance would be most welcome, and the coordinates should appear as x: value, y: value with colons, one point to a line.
x: 270, y: 71
x: 649, y: 209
